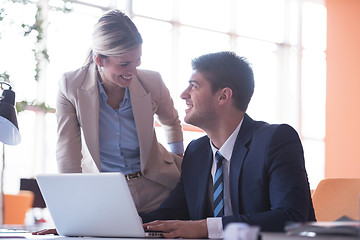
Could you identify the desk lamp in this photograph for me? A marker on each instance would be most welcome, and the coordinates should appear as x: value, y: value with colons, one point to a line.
x: 9, y: 132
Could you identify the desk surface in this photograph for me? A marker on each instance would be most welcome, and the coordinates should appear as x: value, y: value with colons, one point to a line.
x: 27, y: 235
x: 283, y: 236
x: 265, y: 236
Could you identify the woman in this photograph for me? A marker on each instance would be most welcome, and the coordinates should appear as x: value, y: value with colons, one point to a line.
x: 105, y: 113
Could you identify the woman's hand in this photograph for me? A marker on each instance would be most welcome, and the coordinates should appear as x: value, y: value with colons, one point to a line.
x: 45, y: 232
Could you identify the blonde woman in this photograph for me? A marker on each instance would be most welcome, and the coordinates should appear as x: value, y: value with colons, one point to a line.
x: 105, y: 113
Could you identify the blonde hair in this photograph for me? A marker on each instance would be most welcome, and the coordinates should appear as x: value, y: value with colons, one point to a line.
x: 113, y: 35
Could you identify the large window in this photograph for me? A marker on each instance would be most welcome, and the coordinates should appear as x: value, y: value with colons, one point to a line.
x: 285, y: 41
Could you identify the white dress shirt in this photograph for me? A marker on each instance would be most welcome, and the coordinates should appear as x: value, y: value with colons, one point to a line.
x: 214, y: 225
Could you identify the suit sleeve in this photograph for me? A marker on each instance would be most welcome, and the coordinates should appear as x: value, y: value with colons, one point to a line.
x: 288, y: 186
x: 68, y: 148
x: 167, y: 114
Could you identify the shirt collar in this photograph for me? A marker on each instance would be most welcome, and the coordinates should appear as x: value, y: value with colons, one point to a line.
x: 126, y: 95
x: 102, y: 93
x: 227, y: 148
x: 105, y: 97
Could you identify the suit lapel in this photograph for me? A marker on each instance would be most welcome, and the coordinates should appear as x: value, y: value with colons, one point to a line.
x: 237, y: 159
x: 198, y: 179
x: 142, y: 109
x: 203, y: 194
x: 88, y: 96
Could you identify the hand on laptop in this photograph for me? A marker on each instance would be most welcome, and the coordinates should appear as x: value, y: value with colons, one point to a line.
x: 179, y: 229
x: 45, y: 231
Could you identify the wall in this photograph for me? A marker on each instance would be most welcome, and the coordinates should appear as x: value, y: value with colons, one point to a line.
x: 342, y: 141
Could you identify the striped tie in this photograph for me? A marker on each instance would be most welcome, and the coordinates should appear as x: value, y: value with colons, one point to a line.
x: 218, y: 187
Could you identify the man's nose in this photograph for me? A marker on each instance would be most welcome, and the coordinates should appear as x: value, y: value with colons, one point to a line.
x: 184, y: 94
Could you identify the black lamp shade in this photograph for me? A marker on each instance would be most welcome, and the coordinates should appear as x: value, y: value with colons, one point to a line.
x: 9, y: 130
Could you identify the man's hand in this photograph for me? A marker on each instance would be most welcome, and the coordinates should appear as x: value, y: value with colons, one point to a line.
x: 45, y: 231
x: 179, y: 229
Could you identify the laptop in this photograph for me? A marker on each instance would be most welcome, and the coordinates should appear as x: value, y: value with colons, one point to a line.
x: 92, y: 205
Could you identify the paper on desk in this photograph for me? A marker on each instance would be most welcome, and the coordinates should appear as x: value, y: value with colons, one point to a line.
x: 241, y: 231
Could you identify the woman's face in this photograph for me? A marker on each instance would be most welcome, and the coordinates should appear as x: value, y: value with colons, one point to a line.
x: 119, y: 70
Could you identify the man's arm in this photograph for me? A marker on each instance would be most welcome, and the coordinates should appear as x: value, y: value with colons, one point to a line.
x: 288, y: 187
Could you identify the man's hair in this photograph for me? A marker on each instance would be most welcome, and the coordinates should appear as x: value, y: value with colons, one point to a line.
x: 226, y: 69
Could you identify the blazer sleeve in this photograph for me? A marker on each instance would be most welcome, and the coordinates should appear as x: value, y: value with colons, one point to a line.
x: 164, y: 105
x: 68, y: 148
x: 287, y: 185
x: 173, y: 208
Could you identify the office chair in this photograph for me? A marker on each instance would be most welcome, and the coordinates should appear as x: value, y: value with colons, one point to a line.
x: 30, y: 184
x: 16, y: 207
x: 334, y: 198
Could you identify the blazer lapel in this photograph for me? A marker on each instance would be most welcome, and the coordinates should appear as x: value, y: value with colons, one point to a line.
x: 88, y: 96
x: 143, y: 114
x: 202, y: 208
x: 237, y: 159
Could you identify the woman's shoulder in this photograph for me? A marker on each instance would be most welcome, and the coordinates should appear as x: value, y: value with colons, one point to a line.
x: 151, y: 80
x: 148, y: 75
x: 72, y: 80
x: 79, y: 73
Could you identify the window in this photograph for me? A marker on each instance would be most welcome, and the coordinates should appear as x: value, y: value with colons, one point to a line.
x: 285, y: 40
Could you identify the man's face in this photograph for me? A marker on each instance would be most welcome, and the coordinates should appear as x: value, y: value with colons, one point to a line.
x: 200, y: 100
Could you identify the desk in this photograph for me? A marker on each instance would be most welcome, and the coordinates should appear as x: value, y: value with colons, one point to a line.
x: 264, y: 236
x: 19, y: 236
x: 283, y: 236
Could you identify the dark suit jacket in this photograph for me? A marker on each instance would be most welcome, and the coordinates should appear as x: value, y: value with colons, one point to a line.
x: 268, y: 180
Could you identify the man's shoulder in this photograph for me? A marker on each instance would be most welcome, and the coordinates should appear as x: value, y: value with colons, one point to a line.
x: 262, y: 126
x: 265, y: 132
x: 200, y: 143
x: 196, y: 151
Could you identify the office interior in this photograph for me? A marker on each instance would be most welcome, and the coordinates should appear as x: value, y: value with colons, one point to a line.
x: 305, y: 55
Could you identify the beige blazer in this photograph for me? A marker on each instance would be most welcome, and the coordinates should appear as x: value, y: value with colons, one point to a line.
x: 77, y: 112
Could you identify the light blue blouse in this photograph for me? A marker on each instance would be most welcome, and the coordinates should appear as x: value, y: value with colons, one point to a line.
x: 119, y: 143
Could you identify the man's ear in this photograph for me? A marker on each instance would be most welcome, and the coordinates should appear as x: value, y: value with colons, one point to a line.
x: 225, y: 95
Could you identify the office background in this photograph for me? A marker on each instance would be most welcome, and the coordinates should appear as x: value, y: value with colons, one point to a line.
x: 304, y: 54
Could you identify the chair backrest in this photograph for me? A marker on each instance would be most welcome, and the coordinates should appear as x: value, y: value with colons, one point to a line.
x: 30, y: 184
x: 16, y: 206
x: 337, y: 197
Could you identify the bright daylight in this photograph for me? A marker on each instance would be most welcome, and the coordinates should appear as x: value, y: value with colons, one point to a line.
x: 119, y: 91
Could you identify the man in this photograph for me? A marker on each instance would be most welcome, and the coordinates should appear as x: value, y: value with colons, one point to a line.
x: 263, y: 180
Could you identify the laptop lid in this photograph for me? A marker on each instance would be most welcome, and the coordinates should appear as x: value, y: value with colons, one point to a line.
x: 97, y: 205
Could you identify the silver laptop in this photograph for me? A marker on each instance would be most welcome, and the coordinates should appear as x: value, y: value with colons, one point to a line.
x: 91, y: 205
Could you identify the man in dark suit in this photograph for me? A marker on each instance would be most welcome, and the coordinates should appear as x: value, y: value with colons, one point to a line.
x: 260, y: 178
